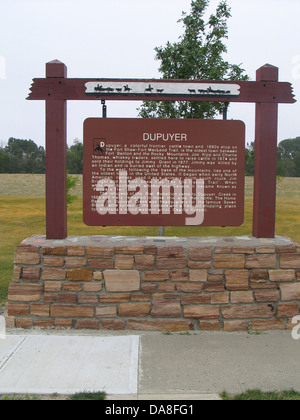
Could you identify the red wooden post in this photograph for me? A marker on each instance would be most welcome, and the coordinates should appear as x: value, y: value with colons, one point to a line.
x: 56, y: 159
x: 264, y: 210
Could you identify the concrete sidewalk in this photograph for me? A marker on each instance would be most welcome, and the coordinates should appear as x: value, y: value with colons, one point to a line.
x: 148, y: 365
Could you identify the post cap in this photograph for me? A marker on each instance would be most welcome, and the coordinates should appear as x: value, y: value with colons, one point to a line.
x: 56, y: 68
x: 267, y: 73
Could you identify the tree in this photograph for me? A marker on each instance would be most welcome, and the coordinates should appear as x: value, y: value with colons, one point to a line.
x: 22, y: 156
x: 249, y: 159
x: 197, y: 55
x: 75, y: 158
x: 288, y: 156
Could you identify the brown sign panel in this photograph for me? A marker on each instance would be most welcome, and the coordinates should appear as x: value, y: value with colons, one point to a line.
x: 156, y: 172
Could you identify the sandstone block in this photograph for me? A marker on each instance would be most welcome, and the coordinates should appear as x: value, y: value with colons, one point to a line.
x: 112, y: 324
x: 124, y: 262
x: 75, y: 262
x: 237, y: 279
x: 201, y: 312
x: 209, y: 325
x: 285, y: 249
x: 144, y: 262
x: 195, y: 299
x: 66, y: 298
x: 166, y: 308
x: 49, y: 261
x: 229, y: 261
x: 100, y: 252
x: 72, y: 287
x: 106, y: 311
x: 148, y: 288
x: 25, y: 292
x: 166, y: 287
x: 150, y: 249
x: 159, y: 275
x: 98, y: 275
x: 241, y: 297
x: 80, y: 274
x: 27, y: 255
x: 88, y: 298
x: 290, y: 261
x: 134, y: 309
x: 101, y: 264
x: 267, y: 324
x: 41, y: 310
x: 290, y: 291
x: 57, y: 250
x: 259, y: 276
x: 87, y: 324
x: 231, y: 326
x: 288, y: 309
x: 222, y: 297
x: 31, y: 275
x: 214, y: 287
x: 267, y: 296
x: 265, y: 249
x: 282, y: 275
x: 200, y: 254
x: 25, y: 323
x: 261, y: 261
x: 159, y: 325
x: 122, y: 281
x: 179, y: 275
x: 171, y: 257
x: 222, y: 249
x: 49, y: 297
x: 43, y: 323
x: 54, y: 274
x: 17, y: 274
x: 247, y: 311
x: 198, y: 275
x: 93, y: 287
x: 14, y: 309
x: 189, y: 287
x: 63, y: 323
x: 72, y: 311
x: 76, y: 250
x: 53, y: 286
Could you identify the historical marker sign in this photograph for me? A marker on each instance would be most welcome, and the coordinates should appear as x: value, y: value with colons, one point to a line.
x: 144, y: 172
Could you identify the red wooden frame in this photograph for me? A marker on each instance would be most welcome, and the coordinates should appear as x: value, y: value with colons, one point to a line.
x: 266, y: 92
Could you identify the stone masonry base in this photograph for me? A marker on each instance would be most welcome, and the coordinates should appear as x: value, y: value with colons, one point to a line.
x: 161, y: 284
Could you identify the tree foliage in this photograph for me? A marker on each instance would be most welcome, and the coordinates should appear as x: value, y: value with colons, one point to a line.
x: 25, y: 157
x: 22, y: 156
x: 197, y: 55
x: 288, y: 158
x: 288, y: 155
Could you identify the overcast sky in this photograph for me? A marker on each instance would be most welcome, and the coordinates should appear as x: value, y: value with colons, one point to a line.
x: 116, y: 38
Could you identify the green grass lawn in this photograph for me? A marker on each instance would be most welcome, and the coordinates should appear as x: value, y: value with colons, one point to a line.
x: 22, y: 210
x: 257, y: 395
